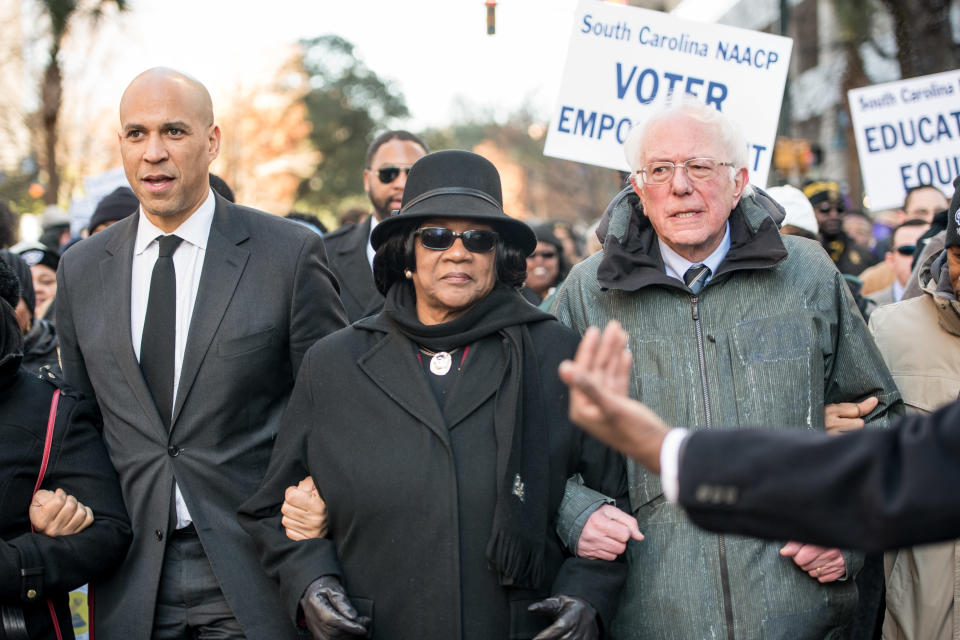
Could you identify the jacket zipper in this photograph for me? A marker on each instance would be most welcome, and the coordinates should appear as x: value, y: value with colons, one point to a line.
x: 724, y: 571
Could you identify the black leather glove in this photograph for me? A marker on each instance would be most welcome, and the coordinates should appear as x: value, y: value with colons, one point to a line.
x: 573, y: 619
x: 328, y: 612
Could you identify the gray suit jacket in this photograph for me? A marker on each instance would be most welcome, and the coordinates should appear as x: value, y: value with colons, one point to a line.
x: 265, y: 296
x: 347, y: 251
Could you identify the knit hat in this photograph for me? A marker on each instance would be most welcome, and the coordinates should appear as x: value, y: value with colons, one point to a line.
x: 114, y: 207
x: 952, y: 238
x: 544, y: 233
x: 35, y: 253
x: 821, y: 191
x: 798, y: 208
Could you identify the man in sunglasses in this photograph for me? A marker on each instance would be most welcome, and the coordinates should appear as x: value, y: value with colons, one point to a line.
x: 349, y: 252
x: 829, y: 208
x: 730, y: 323
x: 899, y: 259
x: 920, y: 341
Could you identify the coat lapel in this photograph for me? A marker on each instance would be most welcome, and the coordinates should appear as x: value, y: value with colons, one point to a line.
x: 223, y: 264
x: 115, y: 274
x: 469, y: 393
x: 392, y: 366
x: 357, y: 277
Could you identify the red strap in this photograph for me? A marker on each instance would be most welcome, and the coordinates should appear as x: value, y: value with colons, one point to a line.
x: 48, y: 439
x: 47, y: 444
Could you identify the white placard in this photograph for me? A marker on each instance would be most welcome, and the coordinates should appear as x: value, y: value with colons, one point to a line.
x: 623, y: 62
x: 908, y: 133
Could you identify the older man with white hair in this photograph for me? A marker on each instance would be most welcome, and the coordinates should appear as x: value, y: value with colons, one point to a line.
x: 730, y: 324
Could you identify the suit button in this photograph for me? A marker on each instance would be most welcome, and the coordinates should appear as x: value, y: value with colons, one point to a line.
x: 31, y: 594
x: 158, y: 534
x: 173, y: 450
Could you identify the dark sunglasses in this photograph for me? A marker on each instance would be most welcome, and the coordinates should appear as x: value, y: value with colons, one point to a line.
x: 389, y: 174
x: 826, y: 207
x: 546, y: 255
x: 441, y: 239
x: 907, y: 249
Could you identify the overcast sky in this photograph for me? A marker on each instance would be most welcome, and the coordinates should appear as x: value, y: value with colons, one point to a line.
x: 436, y: 51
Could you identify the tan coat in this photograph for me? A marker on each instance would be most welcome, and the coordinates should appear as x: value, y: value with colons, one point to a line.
x: 920, y: 342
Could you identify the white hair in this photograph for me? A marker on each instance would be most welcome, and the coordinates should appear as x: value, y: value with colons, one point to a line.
x: 728, y: 134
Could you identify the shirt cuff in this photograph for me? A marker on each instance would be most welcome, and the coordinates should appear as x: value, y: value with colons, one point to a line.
x: 670, y: 463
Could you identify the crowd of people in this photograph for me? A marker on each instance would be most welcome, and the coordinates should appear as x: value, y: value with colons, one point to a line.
x: 240, y: 426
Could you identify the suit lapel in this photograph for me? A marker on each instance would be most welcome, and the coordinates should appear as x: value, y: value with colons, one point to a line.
x: 115, y: 274
x: 391, y: 365
x: 223, y: 264
x: 357, y: 277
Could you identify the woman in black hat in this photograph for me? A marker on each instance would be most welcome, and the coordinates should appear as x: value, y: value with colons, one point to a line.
x: 436, y: 432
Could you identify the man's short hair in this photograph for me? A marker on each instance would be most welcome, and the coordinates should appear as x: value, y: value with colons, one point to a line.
x: 731, y: 139
x: 911, y: 190
x: 913, y: 222
x: 387, y: 136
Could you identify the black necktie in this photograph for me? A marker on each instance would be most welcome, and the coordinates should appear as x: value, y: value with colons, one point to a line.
x: 696, y: 276
x: 160, y: 329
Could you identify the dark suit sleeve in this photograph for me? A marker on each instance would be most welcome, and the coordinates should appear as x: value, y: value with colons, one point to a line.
x: 71, y: 359
x: 870, y: 490
x: 79, y: 466
x: 294, y: 564
x: 316, y: 309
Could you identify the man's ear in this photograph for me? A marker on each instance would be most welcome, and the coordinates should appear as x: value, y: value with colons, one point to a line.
x: 214, y: 142
x: 740, y: 180
x: 366, y: 181
x: 637, y: 189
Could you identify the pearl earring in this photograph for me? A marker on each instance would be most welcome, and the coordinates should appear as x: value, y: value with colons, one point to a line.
x: 408, y: 274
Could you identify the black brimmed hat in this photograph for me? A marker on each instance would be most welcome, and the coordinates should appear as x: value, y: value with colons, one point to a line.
x: 455, y: 184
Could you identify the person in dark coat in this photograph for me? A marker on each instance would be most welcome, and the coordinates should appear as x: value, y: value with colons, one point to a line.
x: 40, y: 343
x: 441, y: 482
x: 81, y: 540
x: 350, y: 255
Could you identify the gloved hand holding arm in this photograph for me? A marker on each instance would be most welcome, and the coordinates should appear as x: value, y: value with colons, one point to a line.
x: 573, y: 619
x: 328, y: 612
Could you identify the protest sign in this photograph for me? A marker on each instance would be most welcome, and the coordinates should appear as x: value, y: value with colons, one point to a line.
x: 908, y: 134
x: 624, y: 63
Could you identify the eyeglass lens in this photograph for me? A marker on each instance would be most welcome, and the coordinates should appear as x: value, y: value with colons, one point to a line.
x: 827, y: 207
x: 546, y: 255
x: 907, y: 249
x: 389, y: 174
x: 695, y: 169
x: 441, y: 239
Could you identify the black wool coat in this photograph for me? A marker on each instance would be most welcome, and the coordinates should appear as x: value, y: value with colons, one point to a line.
x: 411, y: 488
x: 79, y: 465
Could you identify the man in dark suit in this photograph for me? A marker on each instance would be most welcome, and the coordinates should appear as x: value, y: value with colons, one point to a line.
x: 388, y: 159
x: 870, y: 490
x: 188, y: 322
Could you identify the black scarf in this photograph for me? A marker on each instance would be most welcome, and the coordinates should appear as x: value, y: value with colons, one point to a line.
x: 516, y: 546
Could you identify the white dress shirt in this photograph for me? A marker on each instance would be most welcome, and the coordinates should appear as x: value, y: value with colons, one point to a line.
x: 370, y: 250
x: 188, y: 265
x: 676, y: 265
